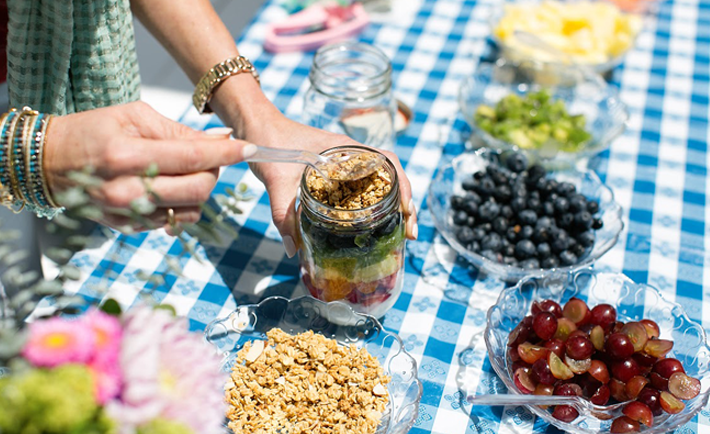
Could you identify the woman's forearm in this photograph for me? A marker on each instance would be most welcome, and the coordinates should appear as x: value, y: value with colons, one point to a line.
x: 196, y: 37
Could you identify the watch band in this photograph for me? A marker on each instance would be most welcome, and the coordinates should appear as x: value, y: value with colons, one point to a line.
x: 215, y: 76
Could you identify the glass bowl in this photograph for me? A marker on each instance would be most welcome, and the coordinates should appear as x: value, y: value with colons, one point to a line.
x: 448, y: 182
x: 633, y: 301
x: 333, y: 320
x: 606, y: 116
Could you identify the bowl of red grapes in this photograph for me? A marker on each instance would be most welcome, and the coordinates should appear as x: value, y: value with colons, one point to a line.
x: 631, y: 360
x: 514, y: 219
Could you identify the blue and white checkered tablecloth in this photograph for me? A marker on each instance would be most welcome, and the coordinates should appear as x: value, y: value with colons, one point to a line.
x: 657, y: 169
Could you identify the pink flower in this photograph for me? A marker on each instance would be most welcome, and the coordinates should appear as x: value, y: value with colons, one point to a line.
x: 56, y: 341
x: 107, y: 334
x: 168, y: 372
x: 107, y: 382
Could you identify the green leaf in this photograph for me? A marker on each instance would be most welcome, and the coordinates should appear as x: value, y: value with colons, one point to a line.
x: 152, y: 171
x: 89, y: 212
x: 15, y: 257
x: 66, y: 222
x: 111, y: 307
x: 59, y: 254
x: 73, y: 197
x: 166, y: 307
x: 11, y: 344
x: 70, y: 272
x: 143, y: 206
x: 362, y: 240
x: 48, y: 287
x: 243, y: 188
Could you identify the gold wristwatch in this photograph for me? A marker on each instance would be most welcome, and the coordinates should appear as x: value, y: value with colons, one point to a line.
x: 215, y: 76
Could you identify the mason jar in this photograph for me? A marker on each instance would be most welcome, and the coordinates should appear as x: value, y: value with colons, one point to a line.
x: 355, y: 256
x: 351, y: 93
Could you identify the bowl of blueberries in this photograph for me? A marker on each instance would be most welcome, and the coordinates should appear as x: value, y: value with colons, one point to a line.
x: 513, y: 219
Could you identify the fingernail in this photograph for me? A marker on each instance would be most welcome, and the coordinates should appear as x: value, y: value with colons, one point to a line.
x: 248, y: 151
x: 412, y: 209
x: 289, y: 246
x: 219, y: 131
x: 415, y: 231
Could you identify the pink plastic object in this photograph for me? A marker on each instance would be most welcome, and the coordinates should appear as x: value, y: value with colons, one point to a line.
x: 336, y: 23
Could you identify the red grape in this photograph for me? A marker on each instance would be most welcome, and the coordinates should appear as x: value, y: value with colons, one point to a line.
x: 667, y: 367
x: 670, y: 404
x: 541, y: 372
x: 544, y: 325
x: 578, y: 367
x: 635, y: 385
x: 523, y: 381
x: 658, y: 381
x: 603, y: 315
x: 637, y: 333
x: 651, y: 397
x: 639, y: 412
x: 565, y: 413
x: 568, y: 389
x: 683, y: 386
x: 624, y: 424
x: 518, y: 335
x: 618, y: 390
x: 658, y: 347
x: 579, y: 347
x: 544, y: 389
x: 558, y: 367
x: 601, y: 396
x: 599, y: 371
x: 619, y: 346
x: 547, y: 306
x: 652, y: 329
x: 644, y: 360
x: 597, y: 337
x: 556, y: 346
x: 625, y: 370
x: 576, y: 310
x: 565, y: 327
x: 531, y: 353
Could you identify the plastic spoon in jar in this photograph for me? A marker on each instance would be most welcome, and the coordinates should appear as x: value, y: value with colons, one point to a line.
x: 336, y: 167
x: 535, y: 41
x: 512, y: 399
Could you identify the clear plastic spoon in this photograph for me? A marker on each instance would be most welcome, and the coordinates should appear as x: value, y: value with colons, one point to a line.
x: 511, y: 399
x: 336, y: 167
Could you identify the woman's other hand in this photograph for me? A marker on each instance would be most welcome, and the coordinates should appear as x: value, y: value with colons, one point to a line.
x: 120, y: 144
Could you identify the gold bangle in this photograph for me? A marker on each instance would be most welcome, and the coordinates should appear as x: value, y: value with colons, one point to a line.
x: 214, y: 77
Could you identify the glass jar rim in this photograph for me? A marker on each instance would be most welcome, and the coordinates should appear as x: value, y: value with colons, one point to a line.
x: 318, y: 62
x: 368, y: 212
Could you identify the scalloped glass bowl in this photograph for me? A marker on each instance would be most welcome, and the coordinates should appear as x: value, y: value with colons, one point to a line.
x: 448, y: 182
x: 606, y: 116
x: 334, y: 320
x: 633, y: 301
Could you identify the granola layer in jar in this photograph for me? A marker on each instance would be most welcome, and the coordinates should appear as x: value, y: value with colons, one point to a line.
x: 353, y: 235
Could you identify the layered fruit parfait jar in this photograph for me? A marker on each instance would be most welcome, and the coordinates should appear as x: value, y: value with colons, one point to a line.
x: 353, y: 236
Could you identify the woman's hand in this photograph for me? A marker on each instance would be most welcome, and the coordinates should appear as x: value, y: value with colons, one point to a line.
x: 282, y: 180
x: 120, y: 143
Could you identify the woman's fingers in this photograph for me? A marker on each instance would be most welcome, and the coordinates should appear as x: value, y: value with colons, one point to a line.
x: 405, y: 190
x: 169, y: 191
x: 159, y: 218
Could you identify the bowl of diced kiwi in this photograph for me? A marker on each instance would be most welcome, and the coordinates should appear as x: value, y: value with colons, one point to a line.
x: 555, y: 125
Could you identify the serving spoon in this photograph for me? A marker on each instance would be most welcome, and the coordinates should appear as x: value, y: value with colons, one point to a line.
x: 336, y: 167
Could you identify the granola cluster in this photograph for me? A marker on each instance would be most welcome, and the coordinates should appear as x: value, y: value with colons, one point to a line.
x: 350, y: 195
x: 305, y: 383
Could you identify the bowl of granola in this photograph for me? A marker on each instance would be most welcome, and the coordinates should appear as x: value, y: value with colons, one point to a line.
x: 310, y: 364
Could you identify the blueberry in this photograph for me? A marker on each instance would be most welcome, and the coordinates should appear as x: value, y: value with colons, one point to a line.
x: 318, y: 235
x: 534, y: 204
x: 491, y: 255
x: 457, y: 202
x: 526, y: 232
x: 551, y: 187
x: 544, y: 186
x: 551, y: 262
x: 543, y: 250
x: 534, y: 195
x: 478, y: 233
x: 485, y: 187
x: 500, y: 225
x: 578, y: 250
x: 524, y: 249
x: 472, y: 196
x: 543, y: 223
x: 508, y: 250
x: 541, y: 235
x: 519, y: 190
x: 592, y: 207
x: 390, y: 225
x: 488, y: 211
x: 597, y: 223
x: 479, y: 175
x: 506, y: 211
x: 471, y: 221
x: 469, y: 184
x: 509, y: 260
x: 561, y: 205
x: 498, y: 177
x: 565, y: 221
x: 502, y: 193
x: 460, y: 218
x: 486, y: 227
x: 471, y: 208
x: 492, y: 242
x: 560, y: 244
x: 465, y: 235
x: 548, y: 208
x: 565, y: 189
x: 568, y: 258
x: 342, y: 241
x: 517, y: 162
x: 529, y: 264
x: 527, y: 217
x: 586, y: 239
x: 518, y: 204
x: 474, y: 246
x: 535, y: 172
x: 577, y: 203
x: 511, y: 235
x: 582, y: 221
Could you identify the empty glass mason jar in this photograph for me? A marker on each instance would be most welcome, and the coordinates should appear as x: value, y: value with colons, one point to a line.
x: 353, y: 255
x: 351, y: 94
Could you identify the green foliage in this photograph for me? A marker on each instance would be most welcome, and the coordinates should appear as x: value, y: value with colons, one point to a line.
x: 59, y: 400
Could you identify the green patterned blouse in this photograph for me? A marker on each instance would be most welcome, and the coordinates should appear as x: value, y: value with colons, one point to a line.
x: 67, y: 56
